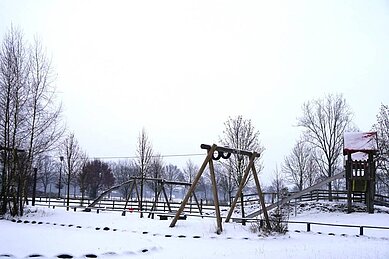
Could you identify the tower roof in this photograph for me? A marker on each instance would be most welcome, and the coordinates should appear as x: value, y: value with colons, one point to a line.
x: 365, y: 142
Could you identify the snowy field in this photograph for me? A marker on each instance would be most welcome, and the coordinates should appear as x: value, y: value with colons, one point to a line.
x: 57, y: 233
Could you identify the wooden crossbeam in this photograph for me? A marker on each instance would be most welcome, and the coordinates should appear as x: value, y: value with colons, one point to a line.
x: 230, y: 150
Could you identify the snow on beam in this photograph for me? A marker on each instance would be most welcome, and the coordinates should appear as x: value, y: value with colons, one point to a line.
x: 365, y: 142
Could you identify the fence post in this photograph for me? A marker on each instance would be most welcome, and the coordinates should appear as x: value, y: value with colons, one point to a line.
x: 113, y: 204
x: 361, y: 231
x: 308, y: 227
x: 295, y: 208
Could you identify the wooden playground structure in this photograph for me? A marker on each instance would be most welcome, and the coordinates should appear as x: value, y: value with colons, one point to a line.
x: 360, y: 171
x: 225, y: 153
x: 360, y: 149
x: 133, y: 184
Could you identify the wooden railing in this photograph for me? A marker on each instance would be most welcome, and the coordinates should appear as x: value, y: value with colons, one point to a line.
x: 132, y: 206
x: 317, y: 195
x: 206, y: 207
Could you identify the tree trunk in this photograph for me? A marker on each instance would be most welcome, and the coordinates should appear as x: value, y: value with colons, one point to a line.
x: 329, y: 184
x: 141, y: 197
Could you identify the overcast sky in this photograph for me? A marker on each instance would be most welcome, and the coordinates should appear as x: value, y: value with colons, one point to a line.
x: 181, y: 68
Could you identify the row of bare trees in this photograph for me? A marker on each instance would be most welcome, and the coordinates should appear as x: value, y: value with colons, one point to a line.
x: 30, y: 122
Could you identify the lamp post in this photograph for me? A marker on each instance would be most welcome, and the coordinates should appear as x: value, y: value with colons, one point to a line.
x: 60, y: 177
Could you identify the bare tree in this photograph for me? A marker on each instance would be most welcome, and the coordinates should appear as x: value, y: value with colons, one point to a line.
x: 13, y: 96
x: 156, y: 171
x: 299, y: 166
x: 240, y: 133
x: 224, y: 182
x: 278, y: 185
x: 382, y: 128
x: 172, y: 173
x: 144, y: 157
x: 74, y: 161
x: 123, y: 171
x: 190, y: 171
x: 48, y: 171
x: 44, y: 124
x: 325, y: 121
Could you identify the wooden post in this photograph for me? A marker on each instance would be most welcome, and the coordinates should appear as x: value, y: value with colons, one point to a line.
x: 193, y: 186
x: 349, y: 181
x: 261, y: 198
x: 215, y: 198
x: 197, y: 203
x: 241, y: 185
x: 154, y: 207
x: 129, y: 194
x: 166, y: 198
x: 137, y: 196
x: 371, y: 184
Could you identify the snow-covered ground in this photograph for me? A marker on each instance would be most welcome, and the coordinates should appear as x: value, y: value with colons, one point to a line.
x: 50, y: 233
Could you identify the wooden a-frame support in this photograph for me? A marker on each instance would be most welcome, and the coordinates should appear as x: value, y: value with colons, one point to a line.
x: 251, y: 167
x: 132, y: 186
x: 208, y: 160
x: 161, y: 188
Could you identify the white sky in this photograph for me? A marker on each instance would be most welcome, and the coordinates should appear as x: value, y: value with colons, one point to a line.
x: 180, y: 68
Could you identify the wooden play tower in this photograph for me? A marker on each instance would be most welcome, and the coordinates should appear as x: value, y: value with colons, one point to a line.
x: 360, y: 149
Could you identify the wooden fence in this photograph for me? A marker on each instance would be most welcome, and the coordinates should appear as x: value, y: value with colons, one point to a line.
x: 317, y: 195
x: 132, y: 206
x: 206, y: 206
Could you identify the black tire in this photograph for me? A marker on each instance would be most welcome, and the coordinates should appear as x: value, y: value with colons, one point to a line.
x: 216, y: 157
x: 226, y: 155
